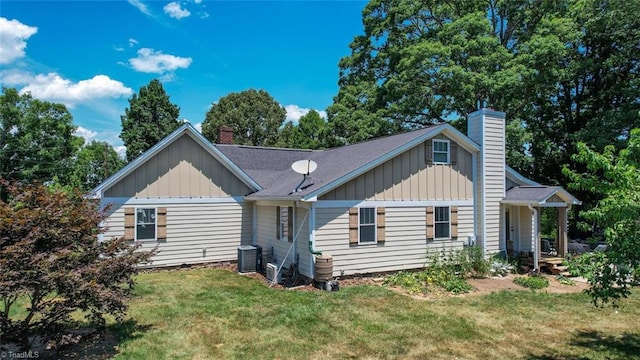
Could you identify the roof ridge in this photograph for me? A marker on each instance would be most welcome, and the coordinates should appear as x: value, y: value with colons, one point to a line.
x: 386, y: 136
x: 266, y: 147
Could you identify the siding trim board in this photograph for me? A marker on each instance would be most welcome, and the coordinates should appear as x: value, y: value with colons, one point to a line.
x: 322, y: 204
x: 163, y: 200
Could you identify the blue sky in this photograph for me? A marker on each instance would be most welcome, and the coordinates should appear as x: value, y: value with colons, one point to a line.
x: 93, y: 55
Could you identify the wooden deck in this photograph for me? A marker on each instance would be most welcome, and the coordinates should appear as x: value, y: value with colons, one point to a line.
x: 552, y: 264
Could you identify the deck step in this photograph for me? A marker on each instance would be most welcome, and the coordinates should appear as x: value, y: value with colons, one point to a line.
x: 555, y: 261
x: 566, y: 274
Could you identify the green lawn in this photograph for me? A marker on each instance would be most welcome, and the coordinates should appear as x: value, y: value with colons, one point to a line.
x: 209, y: 313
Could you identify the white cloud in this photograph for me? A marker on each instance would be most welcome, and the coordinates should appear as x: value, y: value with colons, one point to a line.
x: 53, y: 87
x: 87, y: 134
x: 132, y: 42
x: 151, y: 61
x: 203, y: 15
x: 198, y: 127
x: 197, y: 1
x: 174, y: 10
x: 118, y: 48
x: 121, y: 150
x: 140, y: 6
x: 294, y: 113
x: 13, y: 36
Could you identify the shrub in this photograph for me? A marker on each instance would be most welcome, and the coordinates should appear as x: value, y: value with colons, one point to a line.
x: 532, y: 282
x: 50, y: 257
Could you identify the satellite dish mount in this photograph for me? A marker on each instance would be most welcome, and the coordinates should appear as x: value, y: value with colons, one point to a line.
x: 304, y: 168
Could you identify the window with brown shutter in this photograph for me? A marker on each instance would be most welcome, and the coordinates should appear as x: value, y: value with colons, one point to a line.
x: 429, y: 221
x: 284, y: 223
x: 454, y: 222
x: 129, y: 223
x: 162, y: 223
x: 428, y: 153
x: 353, y: 226
x: 290, y: 223
x: 380, y: 224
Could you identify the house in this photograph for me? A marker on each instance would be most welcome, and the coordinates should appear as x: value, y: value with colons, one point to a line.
x: 374, y: 206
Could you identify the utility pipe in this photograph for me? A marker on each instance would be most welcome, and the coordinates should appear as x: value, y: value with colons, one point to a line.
x: 312, y: 230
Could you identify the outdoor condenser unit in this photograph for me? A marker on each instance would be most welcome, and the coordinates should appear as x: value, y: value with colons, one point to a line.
x: 271, y: 272
x: 247, y: 258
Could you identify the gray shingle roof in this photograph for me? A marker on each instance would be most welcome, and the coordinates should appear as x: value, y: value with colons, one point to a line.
x: 271, y: 168
x: 536, y: 195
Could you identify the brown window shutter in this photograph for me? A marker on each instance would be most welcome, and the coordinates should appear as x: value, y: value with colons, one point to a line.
x: 290, y: 223
x: 129, y: 223
x: 453, y: 152
x: 380, y: 224
x: 278, y: 221
x: 430, y: 227
x: 161, y: 218
x: 353, y: 226
x: 454, y: 222
x: 428, y: 151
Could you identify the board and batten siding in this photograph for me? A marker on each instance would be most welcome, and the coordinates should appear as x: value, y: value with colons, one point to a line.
x: 405, y: 246
x: 409, y: 177
x: 183, y: 169
x: 196, y: 233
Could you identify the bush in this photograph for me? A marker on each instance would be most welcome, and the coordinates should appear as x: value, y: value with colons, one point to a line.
x: 50, y: 257
x: 532, y: 282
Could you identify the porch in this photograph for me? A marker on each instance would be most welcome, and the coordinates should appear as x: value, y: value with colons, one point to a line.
x: 522, y: 208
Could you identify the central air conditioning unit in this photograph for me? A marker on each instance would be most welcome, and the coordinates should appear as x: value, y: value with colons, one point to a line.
x: 272, y: 271
x: 246, y: 258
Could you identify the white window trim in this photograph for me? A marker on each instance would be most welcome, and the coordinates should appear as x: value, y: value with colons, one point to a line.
x: 135, y: 224
x: 433, y: 151
x: 375, y: 226
x: 435, y: 222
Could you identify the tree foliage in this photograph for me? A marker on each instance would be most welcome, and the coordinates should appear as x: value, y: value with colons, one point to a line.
x: 308, y: 133
x: 94, y: 163
x: 36, y: 138
x: 254, y: 116
x: 615, y: 177
x: 50, y: 256
x: 564, y: 71
x: 149, y: 118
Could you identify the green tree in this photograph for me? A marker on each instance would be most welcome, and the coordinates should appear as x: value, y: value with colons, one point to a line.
x: 307, y: 134
x: 564, y: 71
x: 36, y: 138
x: 149, y: 118
x: 616, y: 178
x: 254, y: 116
x: 50, y: 257
x: 94, y: 163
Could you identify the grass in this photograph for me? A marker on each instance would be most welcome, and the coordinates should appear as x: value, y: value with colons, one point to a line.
x: 213, y: 313
x: 209, y: 313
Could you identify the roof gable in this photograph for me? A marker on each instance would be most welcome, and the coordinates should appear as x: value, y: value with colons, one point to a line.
x: 271, y: 167
x: 538, y: 196
x: 184, y: 130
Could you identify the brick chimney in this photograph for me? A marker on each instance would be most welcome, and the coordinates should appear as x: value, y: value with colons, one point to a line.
x: 225, y: 135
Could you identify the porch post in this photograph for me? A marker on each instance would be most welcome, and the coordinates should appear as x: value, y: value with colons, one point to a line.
x: 562, y: 232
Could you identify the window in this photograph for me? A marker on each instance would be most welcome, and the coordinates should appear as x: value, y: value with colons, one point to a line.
x: 284, y: 223
x: 442, y: 223
x: 367, y: 225
x: 145, y: 224
x: 441, y: 151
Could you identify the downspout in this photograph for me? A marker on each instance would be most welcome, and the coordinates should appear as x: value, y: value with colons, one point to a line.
x: 536, y: 256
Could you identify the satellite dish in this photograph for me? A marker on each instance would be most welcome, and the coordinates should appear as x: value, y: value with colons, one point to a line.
x: 304, y: 167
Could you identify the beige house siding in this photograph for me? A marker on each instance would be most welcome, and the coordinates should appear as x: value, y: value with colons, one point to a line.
x: 183, y: 169
x: 526, y: 229
x: 266, y: 237
x: 409, y: 177
x: 405, y: 247
x: 487, y: 129
x: 196, y: 233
